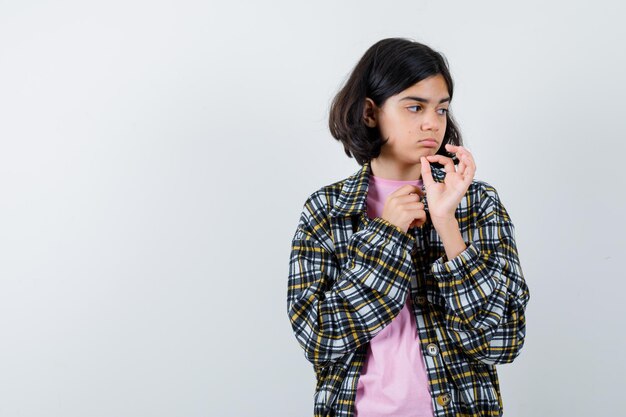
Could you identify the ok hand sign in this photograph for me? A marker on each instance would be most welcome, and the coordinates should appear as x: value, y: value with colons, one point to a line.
x: 444, y: 198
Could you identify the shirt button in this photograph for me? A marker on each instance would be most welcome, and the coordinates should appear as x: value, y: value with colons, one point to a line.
x: 432, y: 349
x: 444, y: 399
x: 420, y: 299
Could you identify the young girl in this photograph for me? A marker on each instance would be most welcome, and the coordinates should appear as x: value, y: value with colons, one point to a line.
x: 405, y: 287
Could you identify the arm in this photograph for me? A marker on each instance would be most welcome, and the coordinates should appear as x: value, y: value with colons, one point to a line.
x: 484, y: 287
x: 333, y: 318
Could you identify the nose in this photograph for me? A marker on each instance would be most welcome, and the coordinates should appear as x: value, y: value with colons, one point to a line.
x: 431, y: 121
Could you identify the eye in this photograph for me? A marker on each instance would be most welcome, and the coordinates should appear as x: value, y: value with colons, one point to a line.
x: 416, y: 108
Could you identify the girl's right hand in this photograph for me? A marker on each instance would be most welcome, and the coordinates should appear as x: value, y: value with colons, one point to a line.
x: 404, y: 208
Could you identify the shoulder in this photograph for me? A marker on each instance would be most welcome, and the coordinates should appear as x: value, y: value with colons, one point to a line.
x: 486, y: 200
x: 315, y: 221
x: 321, y: 201
x: 318, y: 205
x: 325, y: 197
x: 483, y: 189
x: 337, y: 193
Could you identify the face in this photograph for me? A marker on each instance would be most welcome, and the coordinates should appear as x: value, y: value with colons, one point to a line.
x: 410, y: 117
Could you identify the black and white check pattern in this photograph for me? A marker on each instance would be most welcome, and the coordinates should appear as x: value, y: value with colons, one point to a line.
x: 349, y: 277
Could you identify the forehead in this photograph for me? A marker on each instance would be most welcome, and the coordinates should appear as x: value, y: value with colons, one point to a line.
x: 433, y: 88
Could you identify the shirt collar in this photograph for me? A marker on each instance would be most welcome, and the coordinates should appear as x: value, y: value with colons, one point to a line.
x: 353, y: 197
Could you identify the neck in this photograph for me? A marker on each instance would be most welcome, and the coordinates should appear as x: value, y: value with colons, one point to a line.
x: 392, y: 170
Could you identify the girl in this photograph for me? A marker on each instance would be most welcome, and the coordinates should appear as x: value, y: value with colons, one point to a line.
x: 405, y: 287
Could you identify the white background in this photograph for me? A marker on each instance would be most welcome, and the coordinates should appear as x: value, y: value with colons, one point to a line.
x: 155, y: 157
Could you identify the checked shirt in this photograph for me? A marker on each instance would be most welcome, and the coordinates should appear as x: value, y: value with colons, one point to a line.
x: 349, y: 277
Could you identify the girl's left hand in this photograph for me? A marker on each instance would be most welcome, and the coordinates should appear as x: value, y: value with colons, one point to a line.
x: 445, y: 197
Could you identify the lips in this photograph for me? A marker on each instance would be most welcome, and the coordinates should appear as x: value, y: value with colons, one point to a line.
x: 428, y: 142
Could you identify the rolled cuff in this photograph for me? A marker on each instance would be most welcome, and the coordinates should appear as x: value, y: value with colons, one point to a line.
x: 399, y: 237
x: 444, y: 269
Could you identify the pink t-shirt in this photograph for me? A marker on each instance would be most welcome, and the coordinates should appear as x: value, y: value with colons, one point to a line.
x: 393, y: 381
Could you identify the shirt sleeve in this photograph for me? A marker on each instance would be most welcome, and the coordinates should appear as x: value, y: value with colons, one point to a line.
x: 335, y: 309
x: 484, y: 288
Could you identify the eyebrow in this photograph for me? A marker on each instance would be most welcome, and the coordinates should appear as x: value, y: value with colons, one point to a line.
x: 423, y: 100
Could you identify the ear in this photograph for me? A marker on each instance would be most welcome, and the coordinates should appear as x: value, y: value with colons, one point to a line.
x: 369, y: 112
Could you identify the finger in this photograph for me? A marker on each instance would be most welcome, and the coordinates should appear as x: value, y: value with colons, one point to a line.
x: 417, y: 223
x: 410, y: 197
x: 455, y: 148
x: 417, y: 190
x: 409, y: 201
x: 467, y: 174
x: 419, y: 217
x: 427, y: 176
x: 447, y: 163
x: 468, y: 162
x: 461, y: 166
x: 407, y: 189
x: 459, y: 151
x: 470, y: 171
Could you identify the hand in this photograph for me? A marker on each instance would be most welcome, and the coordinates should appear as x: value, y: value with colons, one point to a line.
x: 444, y: 198
x: 404, y: 209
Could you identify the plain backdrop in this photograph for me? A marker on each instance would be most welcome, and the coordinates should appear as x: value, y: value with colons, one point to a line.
x: 155, y: 157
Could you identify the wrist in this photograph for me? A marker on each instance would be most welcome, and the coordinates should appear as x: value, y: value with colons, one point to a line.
x: 450, y: 234
x: 444, y: 223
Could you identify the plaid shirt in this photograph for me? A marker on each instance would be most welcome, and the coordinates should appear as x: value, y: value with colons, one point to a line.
x: 349, y: 277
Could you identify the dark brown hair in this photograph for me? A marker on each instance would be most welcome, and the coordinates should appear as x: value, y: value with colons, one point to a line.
x: 387, y: 68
